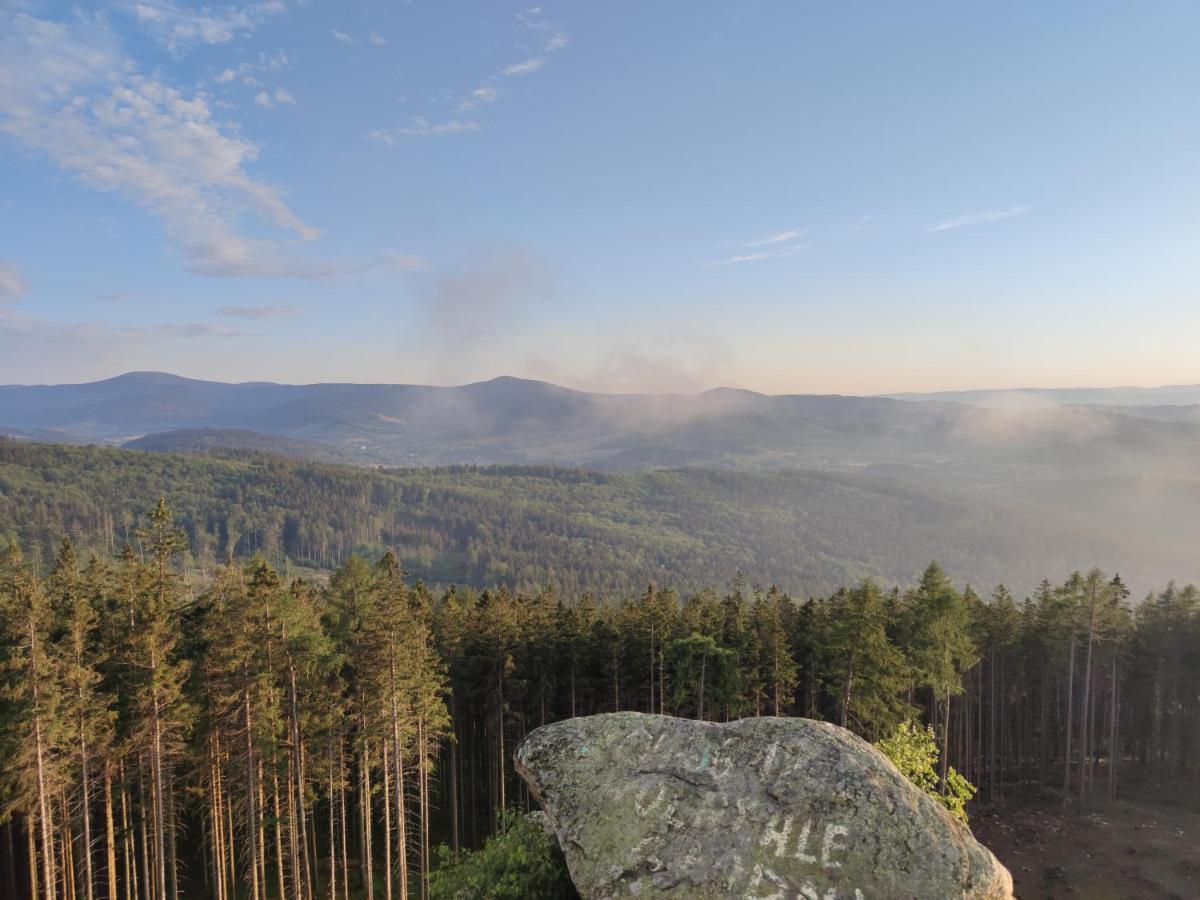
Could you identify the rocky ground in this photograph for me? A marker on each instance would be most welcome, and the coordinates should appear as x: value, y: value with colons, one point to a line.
x: 1143, y: 846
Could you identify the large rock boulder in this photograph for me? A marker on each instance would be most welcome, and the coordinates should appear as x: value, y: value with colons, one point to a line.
x: 789, y: 809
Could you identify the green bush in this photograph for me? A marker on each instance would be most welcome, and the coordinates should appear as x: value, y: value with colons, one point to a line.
x: 914, y: 751
x: 520, y: 862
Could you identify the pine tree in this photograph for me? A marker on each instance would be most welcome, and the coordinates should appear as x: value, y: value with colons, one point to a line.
x: 863, y: 670
x: 939, y: 644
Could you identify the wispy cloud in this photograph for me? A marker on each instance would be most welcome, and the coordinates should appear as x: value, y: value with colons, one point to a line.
x: 178, y: 27
x: 12, y: 285
x: 758, y: 256
x: 979, y: 218
x: 69, y: 92
x: 485, y: 93
x: 377, y: 39
x: 256, y: 312
x: 554, y: 38
x: 341, y: 37
x: 781, y: 237
x: 281, y: 96
x: 422, y: 128
x: 524, y: 68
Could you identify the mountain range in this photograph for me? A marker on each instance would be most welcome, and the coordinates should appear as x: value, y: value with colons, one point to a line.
x: 1120, y: 464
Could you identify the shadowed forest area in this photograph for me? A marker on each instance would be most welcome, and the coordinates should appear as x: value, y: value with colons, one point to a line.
x: 245, y: 735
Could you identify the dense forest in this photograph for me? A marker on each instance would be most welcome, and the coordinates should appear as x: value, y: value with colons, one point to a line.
x: 246, y: 735
x: 533, y: 528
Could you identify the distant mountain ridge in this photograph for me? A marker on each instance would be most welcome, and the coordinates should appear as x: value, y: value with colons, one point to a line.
x: 516, y: 421
x: 1128, y: 473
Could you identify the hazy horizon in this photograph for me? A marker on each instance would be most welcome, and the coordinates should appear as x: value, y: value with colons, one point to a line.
x: 793, y: 198
x: 1017, y: 390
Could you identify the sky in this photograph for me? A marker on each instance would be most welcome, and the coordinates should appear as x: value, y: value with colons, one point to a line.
x: 792, y: 196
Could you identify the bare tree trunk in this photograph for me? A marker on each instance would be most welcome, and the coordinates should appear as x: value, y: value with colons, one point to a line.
x: 1085, y: 722
x: 295, y: 847
x: 251, y: 800
x: 31, y: 842
x: 110, y: 837
x: 398, y: 776
x: 1113, y: 752
x: 260, y: 825
x: 424, y: 775
x: 279, y: 862
x: 172, y: 864
x: 1070, y: 718
x: 127, y: 848
x: 147, y: 884
x: 345, y: 836
x: 156, y: 769
x: 368, y: 844
x: 44, y: 814
x: 387, y: 824
x: 217, y: 820
x: 945, y: 760
x: 86, y: 807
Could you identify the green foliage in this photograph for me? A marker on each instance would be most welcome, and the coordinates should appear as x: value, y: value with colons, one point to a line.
x: 913, y: 750
x: 523, y: 527
x: 520, y: 862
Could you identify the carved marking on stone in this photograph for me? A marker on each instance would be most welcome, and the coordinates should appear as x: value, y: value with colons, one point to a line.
x: 832, y: 833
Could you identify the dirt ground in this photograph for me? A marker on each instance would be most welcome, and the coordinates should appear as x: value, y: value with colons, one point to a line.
x: 1133, y: 848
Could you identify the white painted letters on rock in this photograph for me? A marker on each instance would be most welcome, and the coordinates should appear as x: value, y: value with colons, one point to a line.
x: 769, y: 809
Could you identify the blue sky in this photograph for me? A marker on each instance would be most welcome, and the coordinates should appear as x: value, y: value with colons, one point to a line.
x: 785, y: 196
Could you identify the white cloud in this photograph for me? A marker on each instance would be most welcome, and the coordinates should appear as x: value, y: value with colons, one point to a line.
x: 759, y: 255
x: 524, y: 68
x: 978, y: 218
x: 780, y: 238
x: 485, y: 93
x: 284, y: 96
x: 263, y: 99
x: 11, y: 283
x: 256, y: 312
x: 422, y: 128
x: 67, y: 90
x: 556, y: 40
x: 179, y: 27
x: 377, y: 39
x: 342, y: 37
x: 245, y: 71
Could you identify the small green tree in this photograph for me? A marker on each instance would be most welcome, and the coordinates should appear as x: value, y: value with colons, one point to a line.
x: 519, y: 862
x: 914, y: 751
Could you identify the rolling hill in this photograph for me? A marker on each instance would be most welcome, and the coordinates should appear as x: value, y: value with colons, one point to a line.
x: 608, y: 533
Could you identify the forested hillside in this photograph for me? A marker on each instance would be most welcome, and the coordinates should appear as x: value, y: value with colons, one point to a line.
x: 536, y: 527
x: 246, y: 735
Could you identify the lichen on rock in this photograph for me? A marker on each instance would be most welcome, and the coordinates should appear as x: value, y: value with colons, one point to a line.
x: 768, y: 808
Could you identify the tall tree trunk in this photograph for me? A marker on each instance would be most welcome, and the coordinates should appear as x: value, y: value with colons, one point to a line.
x: 279, y: 860
x: 1085, y: 722
x: 332, y: 827
x: 368, y: 847
x: 1070, y: 718
x: 945, y: 760
x: 387, y: 823
x: 251, y: 799
x: 110, y: 837
x: 40, y: 751
x: 1113, y: 752
x: 31, y: 842
x: 85, y: 805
